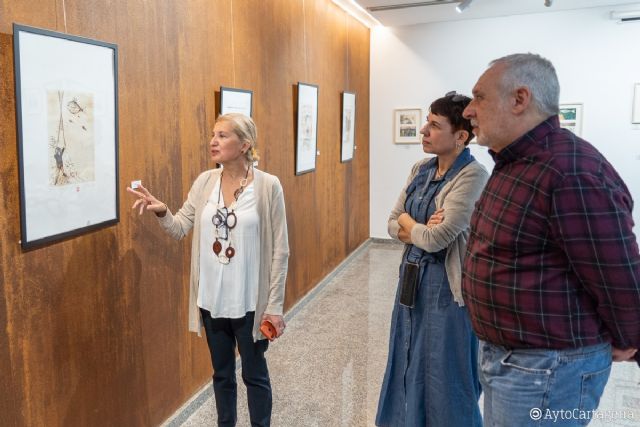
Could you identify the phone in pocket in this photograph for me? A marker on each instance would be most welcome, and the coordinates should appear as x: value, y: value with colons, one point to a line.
x: 409, y: 284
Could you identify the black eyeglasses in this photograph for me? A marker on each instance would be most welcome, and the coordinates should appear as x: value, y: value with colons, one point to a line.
x: 457, y: 97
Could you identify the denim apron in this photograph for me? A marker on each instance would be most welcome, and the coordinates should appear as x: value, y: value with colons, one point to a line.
x: 431, y: 377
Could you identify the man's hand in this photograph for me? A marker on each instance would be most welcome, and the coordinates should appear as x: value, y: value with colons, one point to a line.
x: 619, y: 355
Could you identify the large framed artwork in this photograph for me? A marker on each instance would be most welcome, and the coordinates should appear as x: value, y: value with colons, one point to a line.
x: 67, y: 117
x: 235, y: 101
x: 571, y: 117
x: 307, y: 134
x: 348, y: 126
x: 407, y: 125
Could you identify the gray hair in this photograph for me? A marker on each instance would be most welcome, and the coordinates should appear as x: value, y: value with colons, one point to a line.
x: 536, y: 73
x: 245, y: 128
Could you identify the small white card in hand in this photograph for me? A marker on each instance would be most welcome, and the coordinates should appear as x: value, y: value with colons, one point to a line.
x: 136, y: 184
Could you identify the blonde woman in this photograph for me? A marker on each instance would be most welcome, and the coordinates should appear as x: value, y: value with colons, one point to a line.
x: 239, y: 258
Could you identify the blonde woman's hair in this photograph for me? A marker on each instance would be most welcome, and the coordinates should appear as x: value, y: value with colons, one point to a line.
x: 244, y: 127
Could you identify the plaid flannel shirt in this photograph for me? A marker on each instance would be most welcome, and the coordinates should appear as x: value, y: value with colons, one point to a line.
x: 552, y: 261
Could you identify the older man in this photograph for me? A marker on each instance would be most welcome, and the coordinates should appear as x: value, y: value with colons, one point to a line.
x: 552, y: 272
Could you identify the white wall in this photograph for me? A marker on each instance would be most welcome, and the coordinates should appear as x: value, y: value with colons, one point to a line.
x: 597, y: 61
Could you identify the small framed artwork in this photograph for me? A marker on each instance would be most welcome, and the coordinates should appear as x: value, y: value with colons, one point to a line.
x: 348, y: 126
x: 407, y: 125
x: 635, y: 118
x: 571, y: 117
x: 307, y: 130
x: 67, y: 117
x: 235, y: 101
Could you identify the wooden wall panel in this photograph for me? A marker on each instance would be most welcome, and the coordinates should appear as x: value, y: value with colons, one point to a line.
x: 12, y: 390
x: 95, y: 327
x: 357, y: 174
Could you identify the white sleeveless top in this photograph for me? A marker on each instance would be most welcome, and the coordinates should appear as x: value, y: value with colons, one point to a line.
x: 230, y: 290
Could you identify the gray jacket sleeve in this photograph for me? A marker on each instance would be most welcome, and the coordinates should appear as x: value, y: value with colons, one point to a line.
x: 458, y: 198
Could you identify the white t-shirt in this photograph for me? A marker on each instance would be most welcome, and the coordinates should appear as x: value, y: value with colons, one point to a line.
x: 230, y: 290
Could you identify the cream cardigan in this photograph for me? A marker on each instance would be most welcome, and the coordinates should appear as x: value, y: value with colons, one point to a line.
x: 458, y: 198
x: 274, y: 244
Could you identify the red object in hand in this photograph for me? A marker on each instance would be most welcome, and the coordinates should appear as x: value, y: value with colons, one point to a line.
x: 268, y: 330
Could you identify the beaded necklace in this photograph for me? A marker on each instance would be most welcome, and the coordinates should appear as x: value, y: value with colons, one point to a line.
x: 224, y: 220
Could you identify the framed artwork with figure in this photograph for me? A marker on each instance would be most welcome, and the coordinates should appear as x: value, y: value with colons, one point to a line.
x: 407, y: 123
x: 307, y: 128
x: 67, y: 117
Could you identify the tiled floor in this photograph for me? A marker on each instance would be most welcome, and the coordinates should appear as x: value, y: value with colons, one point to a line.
x: 327, y: 369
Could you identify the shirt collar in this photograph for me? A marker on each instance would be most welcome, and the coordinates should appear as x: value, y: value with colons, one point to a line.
x: 527, y: 143
x: 463, y: 158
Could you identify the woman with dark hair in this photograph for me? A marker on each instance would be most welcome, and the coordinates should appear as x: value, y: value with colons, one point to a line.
x: 431, y: 377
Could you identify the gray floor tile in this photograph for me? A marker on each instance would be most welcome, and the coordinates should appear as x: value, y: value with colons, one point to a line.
x: 327, y: 369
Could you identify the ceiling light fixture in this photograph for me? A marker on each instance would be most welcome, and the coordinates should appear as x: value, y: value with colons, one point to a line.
x: 408, y: 5
x: 626, y: 16
x: 464, y: 4
x: 358, y: 12
x: 548, y: 3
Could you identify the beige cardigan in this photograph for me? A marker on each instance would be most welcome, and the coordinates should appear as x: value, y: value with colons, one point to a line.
x: 274, y: 244
x: 458, y: 198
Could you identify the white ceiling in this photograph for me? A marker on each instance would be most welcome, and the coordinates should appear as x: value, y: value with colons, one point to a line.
x: 478, y: 9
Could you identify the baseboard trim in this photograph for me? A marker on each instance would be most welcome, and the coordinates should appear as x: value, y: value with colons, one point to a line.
x: 385, y: 240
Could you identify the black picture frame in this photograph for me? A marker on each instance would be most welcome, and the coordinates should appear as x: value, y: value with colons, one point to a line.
x: 348, y: 127
x: 234, y: 100
x: 307, y: 128
x: 67, y: 127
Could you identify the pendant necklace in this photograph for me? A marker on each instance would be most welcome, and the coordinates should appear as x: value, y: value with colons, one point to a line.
x: 224, y: 220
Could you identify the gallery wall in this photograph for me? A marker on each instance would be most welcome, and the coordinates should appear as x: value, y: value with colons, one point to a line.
x: 412, y: 66
x: 94, y: 328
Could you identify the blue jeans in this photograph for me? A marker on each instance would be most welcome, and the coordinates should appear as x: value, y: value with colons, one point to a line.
x: 542, y: 387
